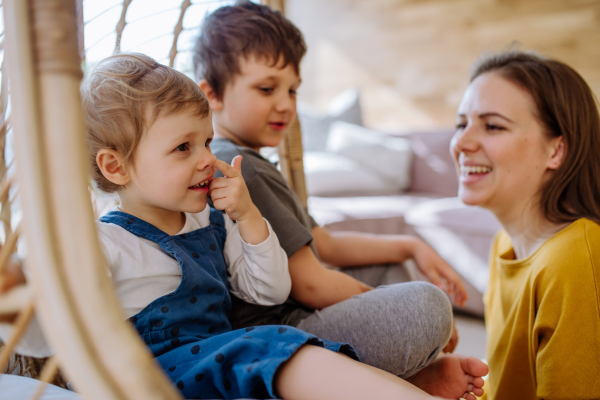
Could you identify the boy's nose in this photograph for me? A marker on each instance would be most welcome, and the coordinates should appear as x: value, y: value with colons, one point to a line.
x: 285, y: 104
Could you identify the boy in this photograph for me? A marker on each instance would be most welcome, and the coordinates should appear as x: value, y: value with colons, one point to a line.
x: 247, y: 63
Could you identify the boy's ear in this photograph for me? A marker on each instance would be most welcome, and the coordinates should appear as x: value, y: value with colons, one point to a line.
x: 112, y: 166
x: 213, y: 100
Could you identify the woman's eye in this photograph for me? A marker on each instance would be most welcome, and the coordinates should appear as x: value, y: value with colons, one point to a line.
x: 492, y: 127
x: 461, y: 126
x: 182, y: 147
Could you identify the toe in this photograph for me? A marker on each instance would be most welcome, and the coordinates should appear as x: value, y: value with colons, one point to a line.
x: 478, y: 382
x: 469, y: 396
x: 474, y: 366
x: 478, y: 392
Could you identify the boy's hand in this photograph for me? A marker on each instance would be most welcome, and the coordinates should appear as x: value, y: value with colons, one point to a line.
x: 439, y: 272
x: 231, y: 194
x: 451, y: 345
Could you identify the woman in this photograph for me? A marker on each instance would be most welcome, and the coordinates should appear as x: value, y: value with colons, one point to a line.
x: 527, y: 147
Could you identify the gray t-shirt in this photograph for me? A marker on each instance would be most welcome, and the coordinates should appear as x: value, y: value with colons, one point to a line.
x: 278, y: 203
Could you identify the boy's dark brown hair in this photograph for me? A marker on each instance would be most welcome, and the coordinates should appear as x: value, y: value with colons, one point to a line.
x: 244, y: 30
x: 565, y: 106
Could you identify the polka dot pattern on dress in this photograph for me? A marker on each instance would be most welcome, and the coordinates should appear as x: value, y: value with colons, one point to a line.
x: 195, y: 349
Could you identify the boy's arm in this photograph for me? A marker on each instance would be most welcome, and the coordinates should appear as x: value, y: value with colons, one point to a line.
x: 318, y: 287
x: 350, y: 249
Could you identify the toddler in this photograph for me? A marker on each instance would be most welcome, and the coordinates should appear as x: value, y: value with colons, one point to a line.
x: 175, y: 261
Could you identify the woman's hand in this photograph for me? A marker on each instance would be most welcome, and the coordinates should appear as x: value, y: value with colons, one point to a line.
x: 439, y: 272
x: 231, y: 195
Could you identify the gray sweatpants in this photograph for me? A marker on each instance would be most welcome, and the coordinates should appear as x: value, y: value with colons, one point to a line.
x: 399, y: 328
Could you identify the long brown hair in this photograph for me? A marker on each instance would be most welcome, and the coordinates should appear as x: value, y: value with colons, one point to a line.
x: 566, y: 107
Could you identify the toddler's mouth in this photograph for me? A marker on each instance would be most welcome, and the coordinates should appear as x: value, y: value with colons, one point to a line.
x: 203, y: 184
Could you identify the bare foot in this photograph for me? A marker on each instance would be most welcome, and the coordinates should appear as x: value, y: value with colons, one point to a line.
x: 452, y: 376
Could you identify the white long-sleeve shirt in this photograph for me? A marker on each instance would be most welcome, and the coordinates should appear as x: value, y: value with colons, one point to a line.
x: 143, y: 272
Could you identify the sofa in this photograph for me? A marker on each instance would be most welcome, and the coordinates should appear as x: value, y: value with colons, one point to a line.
x: 427, y: 207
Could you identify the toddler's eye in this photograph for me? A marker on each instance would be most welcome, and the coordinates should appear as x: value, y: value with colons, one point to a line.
x: 182, y: 147
x: 208, y: 141
x: 293, y: 92
x: 266, y: 90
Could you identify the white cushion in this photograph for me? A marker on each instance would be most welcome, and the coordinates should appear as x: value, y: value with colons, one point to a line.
x: 389, y: 157
x: 329, y: 174
x: 315, y: 125
x: 13, y: 387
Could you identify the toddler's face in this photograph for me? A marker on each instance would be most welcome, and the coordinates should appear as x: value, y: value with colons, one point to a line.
x: 259, y: 106
x: 173, y: 164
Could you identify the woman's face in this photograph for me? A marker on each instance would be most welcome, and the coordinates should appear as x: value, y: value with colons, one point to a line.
x: 501, y: 153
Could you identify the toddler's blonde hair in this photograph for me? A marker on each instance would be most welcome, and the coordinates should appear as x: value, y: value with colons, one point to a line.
x: 123, y: 95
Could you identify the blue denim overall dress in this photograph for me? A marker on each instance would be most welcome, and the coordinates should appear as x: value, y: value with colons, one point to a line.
x: 188, y: 330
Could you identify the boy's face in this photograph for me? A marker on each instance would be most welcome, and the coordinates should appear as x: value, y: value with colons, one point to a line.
x: 259, y: 105
x: 172, y: 166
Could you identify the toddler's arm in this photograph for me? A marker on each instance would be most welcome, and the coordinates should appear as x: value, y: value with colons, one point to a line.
x: 257, y: 265
x: 32, y: 343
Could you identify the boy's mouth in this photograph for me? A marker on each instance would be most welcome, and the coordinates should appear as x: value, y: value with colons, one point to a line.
x: 277, y: 125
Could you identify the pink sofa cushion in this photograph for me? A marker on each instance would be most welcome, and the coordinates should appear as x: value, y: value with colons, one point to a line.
x: 433, y: 169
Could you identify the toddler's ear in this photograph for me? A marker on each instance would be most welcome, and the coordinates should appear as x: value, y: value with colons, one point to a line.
x: 112, y: 166
x: 215, y: 103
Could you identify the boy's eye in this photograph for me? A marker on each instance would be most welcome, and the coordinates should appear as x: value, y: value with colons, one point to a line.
x: 182, y: 147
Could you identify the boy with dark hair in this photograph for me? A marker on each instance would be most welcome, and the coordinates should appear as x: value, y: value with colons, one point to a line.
x: 247, y: 63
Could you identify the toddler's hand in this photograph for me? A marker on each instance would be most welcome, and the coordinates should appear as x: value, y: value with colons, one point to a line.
x: 11, y: 276
x: 230, y: 193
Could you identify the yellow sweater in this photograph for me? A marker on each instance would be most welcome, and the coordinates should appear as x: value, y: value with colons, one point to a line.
x: 543, y: 318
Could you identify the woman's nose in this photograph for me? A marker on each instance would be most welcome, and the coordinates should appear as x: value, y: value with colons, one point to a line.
x: 464, y: 140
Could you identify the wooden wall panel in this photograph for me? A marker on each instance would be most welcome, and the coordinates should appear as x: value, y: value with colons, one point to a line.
x: 411, y: 58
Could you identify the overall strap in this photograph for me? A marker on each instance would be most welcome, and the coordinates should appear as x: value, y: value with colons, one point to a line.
x: 218, y: 222
x: 134, y: 225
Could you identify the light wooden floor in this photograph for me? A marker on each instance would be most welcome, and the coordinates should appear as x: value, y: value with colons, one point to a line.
x: 471, y: 336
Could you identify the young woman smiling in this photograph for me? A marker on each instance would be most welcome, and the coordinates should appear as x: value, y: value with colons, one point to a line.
x: 527, y: 147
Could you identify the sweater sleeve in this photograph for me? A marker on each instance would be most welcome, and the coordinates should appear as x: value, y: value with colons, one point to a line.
x: 567, y: 326
x: 259, y: 273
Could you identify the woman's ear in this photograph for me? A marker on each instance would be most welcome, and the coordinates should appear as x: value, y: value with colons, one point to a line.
x: 112, y: 166
x: 558, y: 152
x: 215, y: 103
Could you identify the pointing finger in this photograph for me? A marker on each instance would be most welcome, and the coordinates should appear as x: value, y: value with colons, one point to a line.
x: 236, y: 163
x: 226, y: 169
